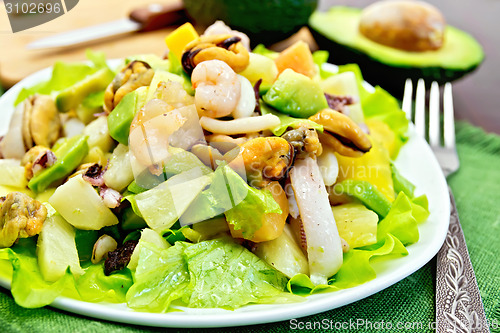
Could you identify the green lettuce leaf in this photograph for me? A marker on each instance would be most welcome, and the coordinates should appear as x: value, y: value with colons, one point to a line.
x: 174, y: 234
x: 95, y: 286
x: 355, y: 270
x: 262, y: 50
x: 320, y: 57
x: 213, y: 201
x: 175, y: 64
x: 5, y: 265
x: 247, y: 199
x: 181, y: 160
x: 420, y: 206
x: 403, y: 218
x: 384, y: 107
x: 30, y: 290
x: 160, y: 278
x: 65, y: 75
x: 395, y: 231
x: 215, y: 273
x: 28, y: 287
x: 225, y: 274
x: 229, y: 193
x: 98, y: 59
x: 287, y: 121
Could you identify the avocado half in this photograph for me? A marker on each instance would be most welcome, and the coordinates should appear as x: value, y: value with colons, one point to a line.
x: 337, y: 31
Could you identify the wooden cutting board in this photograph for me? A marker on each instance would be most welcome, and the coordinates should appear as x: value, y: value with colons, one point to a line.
x: 17, y: 62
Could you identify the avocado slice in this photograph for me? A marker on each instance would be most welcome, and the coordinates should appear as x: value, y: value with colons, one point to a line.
x: 71, y: 97
x: 337, y: 31
x: 120, y: 119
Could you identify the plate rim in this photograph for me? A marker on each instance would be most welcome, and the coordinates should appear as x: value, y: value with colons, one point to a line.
x: 259, y: 313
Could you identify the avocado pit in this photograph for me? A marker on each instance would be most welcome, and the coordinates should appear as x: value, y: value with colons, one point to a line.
x: 413, y: 26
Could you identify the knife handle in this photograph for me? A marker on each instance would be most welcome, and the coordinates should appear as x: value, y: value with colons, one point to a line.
x: 157, y: 16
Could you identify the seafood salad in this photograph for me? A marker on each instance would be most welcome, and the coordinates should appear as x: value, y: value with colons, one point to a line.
x: 216, y: 177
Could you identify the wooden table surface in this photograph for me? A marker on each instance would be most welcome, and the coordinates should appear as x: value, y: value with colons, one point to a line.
x: 475, y: 96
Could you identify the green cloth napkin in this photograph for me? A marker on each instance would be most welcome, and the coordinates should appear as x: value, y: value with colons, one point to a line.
x: 477, y: 194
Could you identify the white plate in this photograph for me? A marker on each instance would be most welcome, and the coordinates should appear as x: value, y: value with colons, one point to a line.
x: 415, y: 161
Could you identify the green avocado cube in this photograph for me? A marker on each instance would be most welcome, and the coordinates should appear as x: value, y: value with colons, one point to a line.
x: 69, y: 156
x: 71, y: 97
x: 120, y: 119
x: 296, y: 95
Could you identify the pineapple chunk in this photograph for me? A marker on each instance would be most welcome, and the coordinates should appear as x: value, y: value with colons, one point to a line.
x: 374, y: 167
x: 12, y: 173
x: 80, y: 205
x: 95, y: 155
x: 356, y: 224
x: 382, y: 133
x: 119, y: 172
x: 149, y: 236
x: 162, y: 205
x: 260, y: 67
x: 211, y: 227
x: 98, y: 134
x: 345, y: 84
x: 284, y: 254
x: 56, y: 249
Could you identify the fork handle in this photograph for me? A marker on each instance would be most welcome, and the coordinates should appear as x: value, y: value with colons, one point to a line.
x: 459, y: 307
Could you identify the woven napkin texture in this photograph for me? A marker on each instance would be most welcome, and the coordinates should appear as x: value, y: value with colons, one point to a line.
x: 411, y: 301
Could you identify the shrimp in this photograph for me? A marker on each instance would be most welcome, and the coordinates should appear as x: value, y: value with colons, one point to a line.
x: 218, y: 88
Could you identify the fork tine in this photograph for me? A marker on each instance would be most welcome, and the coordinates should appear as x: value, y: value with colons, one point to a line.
x: 407, y: 98
x: 420, y: 108
x: 434, y: 135
x: 448, y: 118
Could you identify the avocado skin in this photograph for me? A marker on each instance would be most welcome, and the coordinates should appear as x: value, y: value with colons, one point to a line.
x: 265, y: 22
x: 390, y: 77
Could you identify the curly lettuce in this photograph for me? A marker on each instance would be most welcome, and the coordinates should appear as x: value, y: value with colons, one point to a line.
x: 395, y: 231
x: 30, y: 290
x: 215, y: 273
x: 64, y: 75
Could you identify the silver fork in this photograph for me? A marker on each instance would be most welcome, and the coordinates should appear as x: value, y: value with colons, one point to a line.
x: 445, y: 152
x: 459, y: 307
